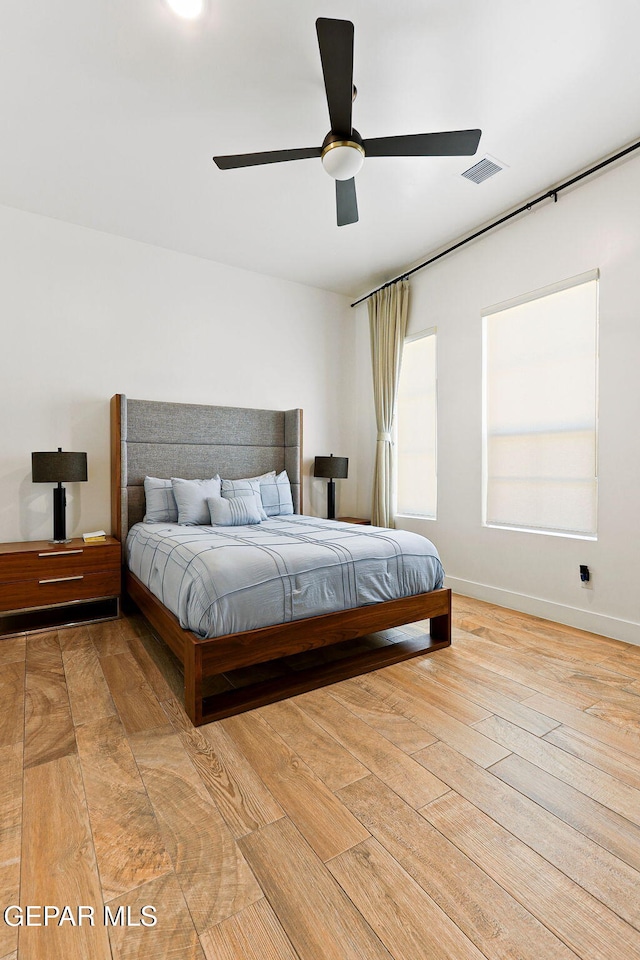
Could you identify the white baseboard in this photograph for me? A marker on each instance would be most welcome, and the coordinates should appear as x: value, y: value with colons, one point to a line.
x: 600, y: 623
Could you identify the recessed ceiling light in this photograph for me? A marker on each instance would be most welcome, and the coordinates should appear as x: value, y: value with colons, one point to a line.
x: 187, y: 9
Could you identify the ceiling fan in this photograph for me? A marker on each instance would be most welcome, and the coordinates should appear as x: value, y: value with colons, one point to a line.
x: 343, y: 150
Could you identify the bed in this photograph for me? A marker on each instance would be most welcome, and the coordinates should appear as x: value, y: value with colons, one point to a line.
x: 158, y: 439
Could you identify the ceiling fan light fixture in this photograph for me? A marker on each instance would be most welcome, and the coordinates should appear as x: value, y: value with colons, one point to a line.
x: 343, y: 159
x: 187, y: 9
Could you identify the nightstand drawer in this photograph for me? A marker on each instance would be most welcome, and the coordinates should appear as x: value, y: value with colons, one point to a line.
x: 65, y: 562
x: 59, y: 587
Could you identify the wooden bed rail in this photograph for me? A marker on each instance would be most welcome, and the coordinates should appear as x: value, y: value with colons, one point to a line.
x: 203, y: 659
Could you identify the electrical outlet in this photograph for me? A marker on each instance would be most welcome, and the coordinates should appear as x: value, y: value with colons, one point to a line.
x: 585, y: 576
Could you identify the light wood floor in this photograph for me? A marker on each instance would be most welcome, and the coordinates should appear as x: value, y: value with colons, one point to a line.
x: 483, y: 801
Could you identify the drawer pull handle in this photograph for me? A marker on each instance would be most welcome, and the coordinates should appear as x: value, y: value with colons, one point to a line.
x: 59, y: 553
x: 61, y: 579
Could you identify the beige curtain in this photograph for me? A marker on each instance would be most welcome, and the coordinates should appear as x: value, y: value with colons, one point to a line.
x: 388, y: 309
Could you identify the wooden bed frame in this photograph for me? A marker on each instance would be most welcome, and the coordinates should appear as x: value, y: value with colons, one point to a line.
x: 204, y: 659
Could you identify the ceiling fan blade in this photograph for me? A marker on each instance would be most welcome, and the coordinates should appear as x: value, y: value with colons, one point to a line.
x: 335, y: 39
x: 270, y: 156
x: 457, y: 143
x: 346, y: 202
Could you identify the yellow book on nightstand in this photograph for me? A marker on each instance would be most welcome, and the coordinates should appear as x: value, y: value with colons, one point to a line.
x: 94, y: 537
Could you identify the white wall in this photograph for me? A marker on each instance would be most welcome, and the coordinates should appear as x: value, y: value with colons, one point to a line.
x: 595, y: 225
x: 84, y: 315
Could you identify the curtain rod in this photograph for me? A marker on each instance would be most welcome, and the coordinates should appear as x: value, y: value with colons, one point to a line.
x: 509, y: 216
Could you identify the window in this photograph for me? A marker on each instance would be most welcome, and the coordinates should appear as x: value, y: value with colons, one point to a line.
x: 540, y: 410
x: 416, y: 427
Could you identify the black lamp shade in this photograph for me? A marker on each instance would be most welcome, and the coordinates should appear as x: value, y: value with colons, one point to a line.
x: 58, y: 467
x: 331, y: 468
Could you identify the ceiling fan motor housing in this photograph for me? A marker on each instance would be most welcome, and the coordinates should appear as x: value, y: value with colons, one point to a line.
x: 342, y: 157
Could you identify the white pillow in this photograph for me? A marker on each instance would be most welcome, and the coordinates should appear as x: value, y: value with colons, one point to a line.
x: 235, y: 511
x: 276, y: 495
x: 243, y: 488
x: 161, y: 506
x: 191, y: 498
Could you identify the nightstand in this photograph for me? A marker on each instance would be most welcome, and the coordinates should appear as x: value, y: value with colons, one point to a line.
x: 46, y: 584
x: 365, y: 523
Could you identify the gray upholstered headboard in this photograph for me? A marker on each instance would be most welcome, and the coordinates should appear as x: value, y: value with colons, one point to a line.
x: 152, y: 438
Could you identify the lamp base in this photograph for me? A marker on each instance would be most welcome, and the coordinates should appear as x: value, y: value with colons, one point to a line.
x: 59, y: 515
x: 68, y: 540
x: 331, y: 500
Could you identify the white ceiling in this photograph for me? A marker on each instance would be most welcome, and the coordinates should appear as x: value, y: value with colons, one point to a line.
x: 111, y: 110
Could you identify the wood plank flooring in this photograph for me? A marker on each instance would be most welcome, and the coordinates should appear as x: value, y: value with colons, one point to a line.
x: 482, y: 801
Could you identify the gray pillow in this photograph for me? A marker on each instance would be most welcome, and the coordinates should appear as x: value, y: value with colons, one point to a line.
x: 161, y: 506
x: 243, y: 488
x: 276, y: 495
x: 235, y: 511
x: 191, y: 498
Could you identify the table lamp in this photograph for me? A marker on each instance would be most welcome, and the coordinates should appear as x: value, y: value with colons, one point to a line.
x: 333, y: 468
x: 59, y: 467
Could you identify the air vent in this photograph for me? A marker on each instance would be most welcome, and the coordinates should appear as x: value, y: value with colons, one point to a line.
x: 482, y: 170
